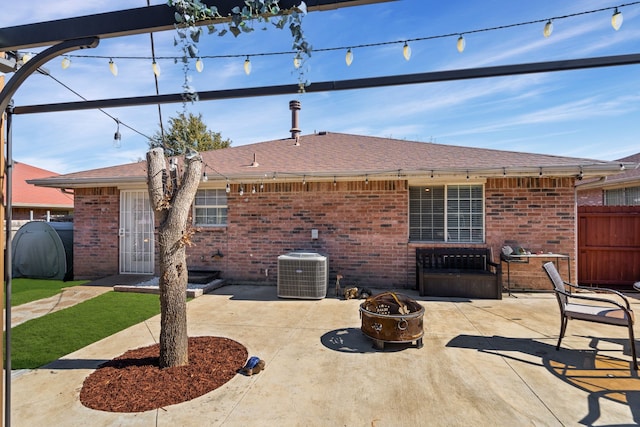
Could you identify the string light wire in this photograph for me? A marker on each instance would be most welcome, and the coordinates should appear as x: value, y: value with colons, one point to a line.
x: 352, y: 47
x: 41, y: 71
x: 328, y: 49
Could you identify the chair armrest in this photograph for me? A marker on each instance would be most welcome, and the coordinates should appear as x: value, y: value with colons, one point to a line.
x: 627, y: 309
x: 602, y: 290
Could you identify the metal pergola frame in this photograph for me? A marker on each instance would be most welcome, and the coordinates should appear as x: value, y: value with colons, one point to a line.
x: 338, y: 85
x: 85, y: 32
x: 129, y: 22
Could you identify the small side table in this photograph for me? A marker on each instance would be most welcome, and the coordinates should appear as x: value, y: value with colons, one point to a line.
x: 525, y: 259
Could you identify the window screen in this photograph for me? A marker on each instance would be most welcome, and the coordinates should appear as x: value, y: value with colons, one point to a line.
x: 451, y: 213
x: 210, y: 207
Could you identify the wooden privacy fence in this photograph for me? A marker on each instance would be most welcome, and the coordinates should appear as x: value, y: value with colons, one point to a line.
x: 609, y: 245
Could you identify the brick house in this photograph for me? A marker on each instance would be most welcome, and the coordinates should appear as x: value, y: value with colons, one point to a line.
x: 372, y: 201
x: 622, y: 189
x: 31, y: 203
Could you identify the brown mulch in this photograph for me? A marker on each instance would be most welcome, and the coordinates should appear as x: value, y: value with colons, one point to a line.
x: 133, y: 382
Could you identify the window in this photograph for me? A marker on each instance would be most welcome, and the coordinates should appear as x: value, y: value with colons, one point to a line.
x: 629, y: 196
x: 451, y: 213
x: 210, y: 207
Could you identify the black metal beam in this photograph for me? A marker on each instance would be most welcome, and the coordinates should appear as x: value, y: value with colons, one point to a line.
x: 40, y: 59
x: 406, y: 79
x: 131, y: 21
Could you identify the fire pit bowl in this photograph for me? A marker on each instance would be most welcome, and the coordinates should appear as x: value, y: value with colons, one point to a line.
x: 392, y: 317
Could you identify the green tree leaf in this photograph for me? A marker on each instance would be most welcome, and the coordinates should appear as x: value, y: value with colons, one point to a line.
x: 188, y: 130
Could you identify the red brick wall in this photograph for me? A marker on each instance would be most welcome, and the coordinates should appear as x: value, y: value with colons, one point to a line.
x: 591, y: 197
x: 95, y: 232
x: 362, y: 228
x: 536, y: 213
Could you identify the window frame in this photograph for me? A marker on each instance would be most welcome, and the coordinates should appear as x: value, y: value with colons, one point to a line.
x: 218, y: 207
x: 446, y: 230
x: 621, y: 194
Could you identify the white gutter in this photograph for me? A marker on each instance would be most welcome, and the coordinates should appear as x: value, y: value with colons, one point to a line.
x: 578, y: 171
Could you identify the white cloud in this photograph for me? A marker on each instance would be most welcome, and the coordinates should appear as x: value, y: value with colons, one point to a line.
x: 559, y: 112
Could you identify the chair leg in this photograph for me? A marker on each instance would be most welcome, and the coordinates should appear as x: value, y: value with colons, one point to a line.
x: 633, y: 347
x: 563, y: 328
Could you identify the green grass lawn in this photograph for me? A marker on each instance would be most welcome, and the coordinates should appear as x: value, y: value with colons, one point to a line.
x: 27, y: 290
x: 47, y: 338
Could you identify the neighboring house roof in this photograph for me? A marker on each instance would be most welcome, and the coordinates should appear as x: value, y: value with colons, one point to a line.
x: 26, y: 195
x: 629, y: 177
x: 327, y: 155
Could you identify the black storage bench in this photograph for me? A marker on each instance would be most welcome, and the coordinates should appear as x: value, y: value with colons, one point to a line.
x: 458, y: 272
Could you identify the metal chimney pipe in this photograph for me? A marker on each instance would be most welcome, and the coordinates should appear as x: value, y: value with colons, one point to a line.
x: 294, y: 106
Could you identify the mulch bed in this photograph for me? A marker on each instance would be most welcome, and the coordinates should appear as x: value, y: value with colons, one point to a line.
x: 133, y: 382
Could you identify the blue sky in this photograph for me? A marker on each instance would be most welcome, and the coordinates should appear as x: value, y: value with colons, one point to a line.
x: 585, y: 113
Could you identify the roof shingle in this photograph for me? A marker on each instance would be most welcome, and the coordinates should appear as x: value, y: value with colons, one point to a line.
x: 328, y: 154
x: 28, y: 195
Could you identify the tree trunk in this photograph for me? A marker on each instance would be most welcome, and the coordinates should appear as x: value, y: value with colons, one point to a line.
x: 171, y: 199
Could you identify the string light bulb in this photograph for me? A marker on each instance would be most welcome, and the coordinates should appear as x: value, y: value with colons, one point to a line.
x: 349, y: 57
x: 406, y: 51
x: 247, y: 66
x: 113, y: 67
x: 66, y: 62
x: 116, y: 136
x: 156, y: 68
x: 199, y: 65
x: 460, y: 44
x: 297, y: 62
x: 548, y: 28
x: 25, y: 57
x: 228, y: 188
x: 616, y: 19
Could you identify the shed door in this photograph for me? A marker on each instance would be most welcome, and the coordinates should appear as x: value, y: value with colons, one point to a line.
x: 136, y: 233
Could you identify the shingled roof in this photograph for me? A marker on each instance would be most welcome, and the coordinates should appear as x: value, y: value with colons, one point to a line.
x: 328, y: 155
x: 630, y: 176
x: 25, y: 195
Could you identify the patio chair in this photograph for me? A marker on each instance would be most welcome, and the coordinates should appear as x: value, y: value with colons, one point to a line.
x: 591, y: 308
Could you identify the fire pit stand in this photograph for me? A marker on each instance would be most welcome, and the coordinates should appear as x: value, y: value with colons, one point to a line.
x: 392, y: 317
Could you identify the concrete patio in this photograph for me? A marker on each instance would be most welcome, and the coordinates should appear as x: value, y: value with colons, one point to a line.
x: 484, y: 362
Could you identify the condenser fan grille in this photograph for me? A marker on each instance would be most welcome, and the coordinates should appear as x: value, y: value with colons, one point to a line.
x: 302, y: 275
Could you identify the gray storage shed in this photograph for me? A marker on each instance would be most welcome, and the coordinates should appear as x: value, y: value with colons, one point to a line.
x: 43, y: 250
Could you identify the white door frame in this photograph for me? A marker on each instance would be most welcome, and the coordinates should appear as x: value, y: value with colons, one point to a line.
x: 137, y: 249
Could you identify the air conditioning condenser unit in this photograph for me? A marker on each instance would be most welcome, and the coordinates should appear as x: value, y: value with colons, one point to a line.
x: 303, y: 275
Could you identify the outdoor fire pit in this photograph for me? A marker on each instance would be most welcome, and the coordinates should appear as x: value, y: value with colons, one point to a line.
x: 392, y: 317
